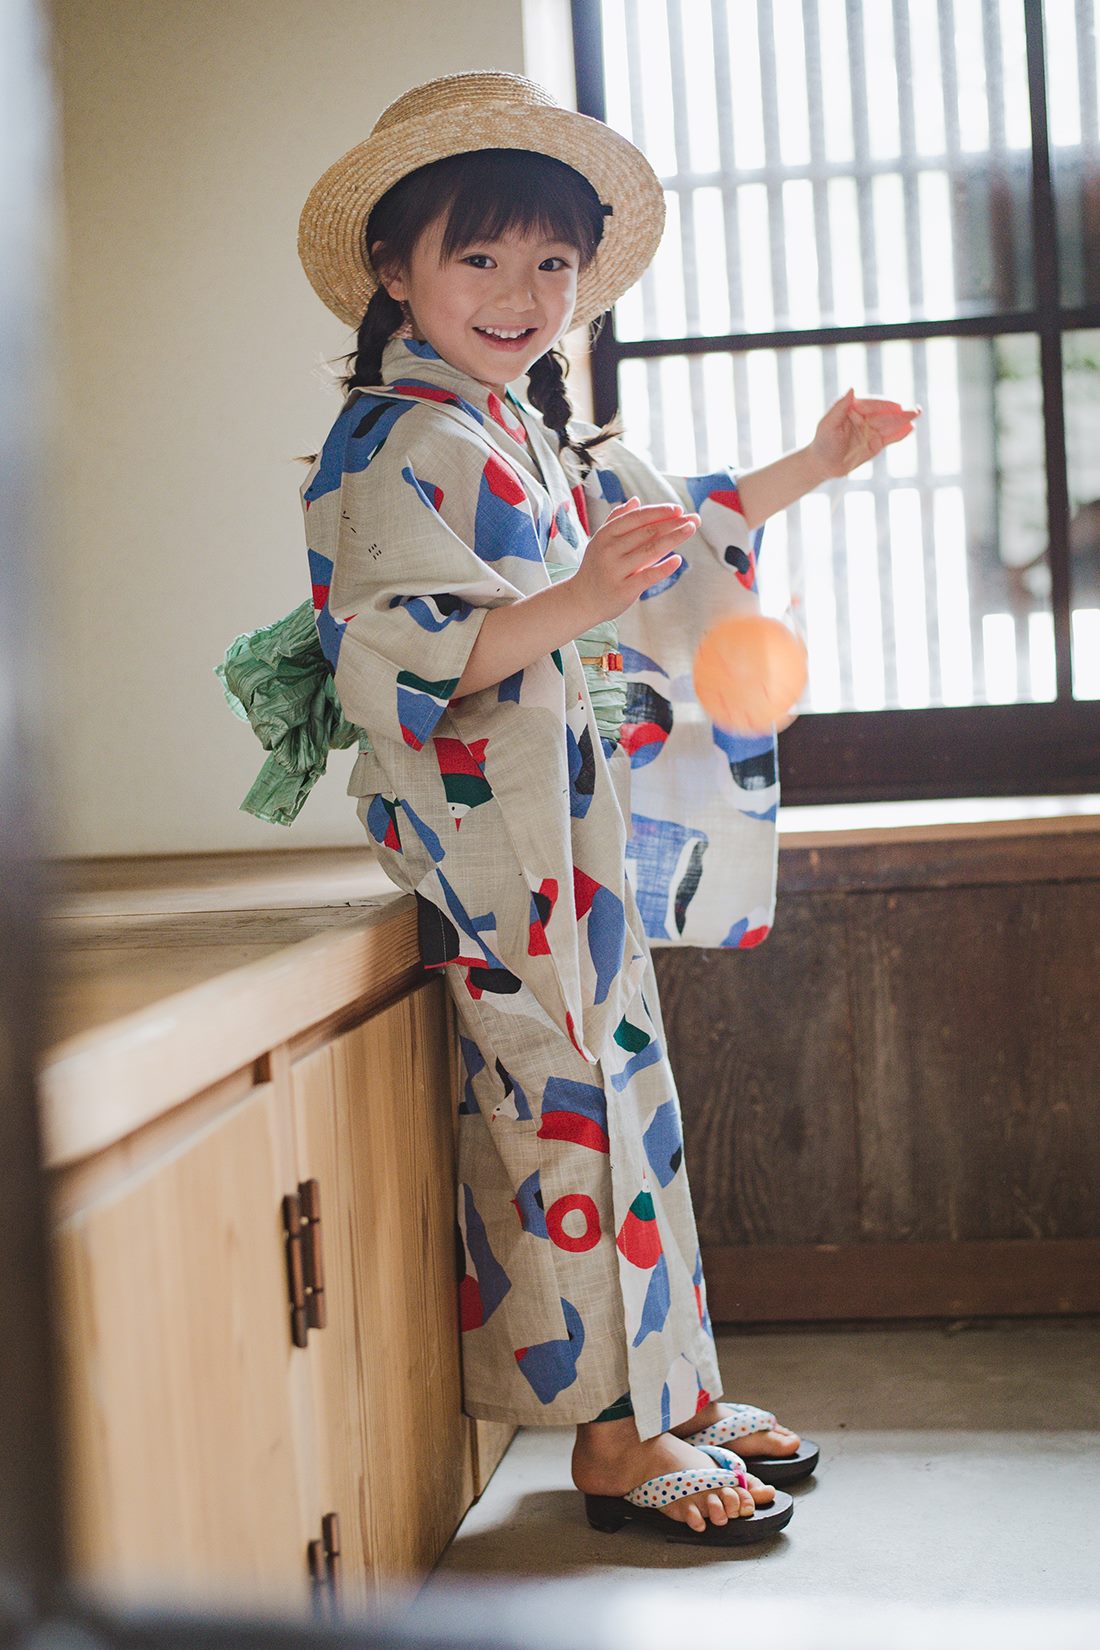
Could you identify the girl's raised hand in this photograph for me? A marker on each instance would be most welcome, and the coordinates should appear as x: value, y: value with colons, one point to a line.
x: 857, y: 428
x: 618, y: 564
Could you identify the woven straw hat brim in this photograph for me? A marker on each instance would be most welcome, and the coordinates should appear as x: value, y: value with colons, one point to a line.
x: 331, y: 227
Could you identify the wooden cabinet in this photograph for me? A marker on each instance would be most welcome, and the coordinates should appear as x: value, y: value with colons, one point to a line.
x: 211, y: 1457
x: 179, y: 1375
x: 392, y: 1450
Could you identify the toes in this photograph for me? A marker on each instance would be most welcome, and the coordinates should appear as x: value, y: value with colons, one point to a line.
x: 776, y: 1440
x: 716, y: 1509
x: 760, y: 1491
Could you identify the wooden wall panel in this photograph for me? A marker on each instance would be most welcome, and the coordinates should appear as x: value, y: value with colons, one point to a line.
x: 760, y: 1043
x: 977, y: 1062
x: 892, y: 1107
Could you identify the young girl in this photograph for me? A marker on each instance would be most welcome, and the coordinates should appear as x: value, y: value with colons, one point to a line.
x: 509, y: 604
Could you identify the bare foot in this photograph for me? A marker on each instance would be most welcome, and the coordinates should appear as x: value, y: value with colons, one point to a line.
x: 777, y: 1441
x: 610, y: 1459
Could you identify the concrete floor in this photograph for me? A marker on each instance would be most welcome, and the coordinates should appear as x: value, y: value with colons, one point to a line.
x: 959, y: 1465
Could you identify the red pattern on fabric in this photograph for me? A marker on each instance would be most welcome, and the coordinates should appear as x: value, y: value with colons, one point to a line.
x: 555, y: 1217
x: 471, y: 1311
x: 634, y: 735
x: 456, y: 757
x: 497, y: 414
x: 730, y: 499
x: 503, y: 482
x: 585, y: 889
x: 751, y: 937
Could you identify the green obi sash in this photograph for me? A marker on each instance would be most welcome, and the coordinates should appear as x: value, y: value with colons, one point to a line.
x: 278, y: 679
x: 606, y: 688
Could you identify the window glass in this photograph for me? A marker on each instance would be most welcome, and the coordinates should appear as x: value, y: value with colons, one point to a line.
x: 1081, y: 376
x: 921, y: 579
x: 827, y: 163
x: 1073, y: 49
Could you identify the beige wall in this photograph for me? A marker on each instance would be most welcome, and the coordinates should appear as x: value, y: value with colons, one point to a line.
x: 190, y: 349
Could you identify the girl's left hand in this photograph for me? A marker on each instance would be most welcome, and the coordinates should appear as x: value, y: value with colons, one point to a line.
x: 857, y: 428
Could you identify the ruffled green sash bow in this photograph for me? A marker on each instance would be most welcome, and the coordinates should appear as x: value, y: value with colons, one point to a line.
x: 278, y: 679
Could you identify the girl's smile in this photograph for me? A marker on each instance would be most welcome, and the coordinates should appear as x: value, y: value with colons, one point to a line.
x: 501, y: 301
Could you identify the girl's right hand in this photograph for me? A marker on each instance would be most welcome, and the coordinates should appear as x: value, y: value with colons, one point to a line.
x: 618, y: 564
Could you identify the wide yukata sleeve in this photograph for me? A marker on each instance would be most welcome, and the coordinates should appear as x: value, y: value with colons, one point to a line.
x: 702, y: 851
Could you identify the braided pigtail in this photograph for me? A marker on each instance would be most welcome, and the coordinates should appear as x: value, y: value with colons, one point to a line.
x: 384, y: 316
x: 546, y: 391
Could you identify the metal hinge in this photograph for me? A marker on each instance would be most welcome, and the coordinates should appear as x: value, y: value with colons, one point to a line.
x: 304, y: 1262
x: 323, y: 1558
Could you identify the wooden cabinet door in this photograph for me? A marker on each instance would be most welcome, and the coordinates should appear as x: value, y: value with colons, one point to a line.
x: 373, y: 1120
x: 180, y: 1388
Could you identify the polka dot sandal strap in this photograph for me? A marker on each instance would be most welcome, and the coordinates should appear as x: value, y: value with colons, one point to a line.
x: 728, y: 1472
x: 742, y: 1420
x: 648, y: 1505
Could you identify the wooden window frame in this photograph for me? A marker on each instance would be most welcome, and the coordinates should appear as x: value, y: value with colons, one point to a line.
x: 974, y: 750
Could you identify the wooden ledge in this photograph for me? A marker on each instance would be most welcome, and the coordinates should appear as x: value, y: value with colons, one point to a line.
x: 105, y: 1082
x: 876, y: 846
x: 950, y: 819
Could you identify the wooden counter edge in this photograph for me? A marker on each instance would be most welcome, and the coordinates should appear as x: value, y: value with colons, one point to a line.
x: 102, y: 1084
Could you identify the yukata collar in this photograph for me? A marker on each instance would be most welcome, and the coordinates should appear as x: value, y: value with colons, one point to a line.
x: 415, y: 368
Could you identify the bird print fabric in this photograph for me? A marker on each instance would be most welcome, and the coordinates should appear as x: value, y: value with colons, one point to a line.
x: 544, y: 854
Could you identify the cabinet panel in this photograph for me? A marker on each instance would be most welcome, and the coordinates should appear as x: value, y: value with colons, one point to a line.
x: 373, y: 1117
x: 179, y: 1388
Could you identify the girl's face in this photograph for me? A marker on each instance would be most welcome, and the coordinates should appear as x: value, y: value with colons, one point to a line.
x: 494, y: 307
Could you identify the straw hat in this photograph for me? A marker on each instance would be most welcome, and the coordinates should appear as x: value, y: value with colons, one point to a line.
x: 454, y: 115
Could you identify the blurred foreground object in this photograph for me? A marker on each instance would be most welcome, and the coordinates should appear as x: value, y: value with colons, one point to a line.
x: 748, y: 673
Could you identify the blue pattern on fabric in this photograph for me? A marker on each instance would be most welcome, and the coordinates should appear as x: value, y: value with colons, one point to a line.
x: 701, y: 487
x: 611, y: 487
x: 509, y: 688
x: 502, y: 528
x: 428, y: 612
x: 579, y: 800
x: 658, y: 1299
x: 474, y: 1061
x: 664, y: 1142
x: 492, y: 1280
x: 552, y: 1366
x: 664, y: 584
x: 633, y: 662
x: 330, y: 634
x: 647, y: 1056
x: 470, y: 926
x: 373, y: 417
x: 427, y: 836
x: 430, y: 494
x: 664, y: 855
x: 528, y: 1201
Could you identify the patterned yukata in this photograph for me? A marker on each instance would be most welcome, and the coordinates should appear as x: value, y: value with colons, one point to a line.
x: 544, y: 855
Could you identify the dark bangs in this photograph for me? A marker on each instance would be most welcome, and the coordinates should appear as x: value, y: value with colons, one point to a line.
x: 486, y: 194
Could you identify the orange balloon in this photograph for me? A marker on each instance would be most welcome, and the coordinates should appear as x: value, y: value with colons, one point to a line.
x: 748, y: 672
